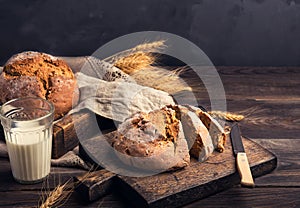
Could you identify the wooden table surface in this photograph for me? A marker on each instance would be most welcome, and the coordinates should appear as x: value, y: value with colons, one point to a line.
x: 270, y: 99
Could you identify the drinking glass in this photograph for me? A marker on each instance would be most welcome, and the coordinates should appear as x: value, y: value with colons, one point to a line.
x: 27, y: 123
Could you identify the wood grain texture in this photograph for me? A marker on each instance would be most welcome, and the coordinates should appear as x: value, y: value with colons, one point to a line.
x: 194, y: 182
x: 248, y: 198
x: 31, y: 198
x: 96, y: 185
x: 244, y: 170
x: 287, y: 173
x: 67, y: 131
x: 244, y: 83
x: 233, y: 198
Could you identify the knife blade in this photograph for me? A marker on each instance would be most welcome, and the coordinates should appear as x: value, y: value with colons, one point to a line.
x: 241, y: 157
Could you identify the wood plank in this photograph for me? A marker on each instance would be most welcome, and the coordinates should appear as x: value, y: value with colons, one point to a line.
x: 242, y: 83
x: 78, y: 126
x: 235, y: 197
x: 257, y: 82
x: 265, y: 119
x: 96, y: 185
x: 249, y: 198
x: 260, y: 85
x: 67, y: 131
x: 287, y: 173
x: 33, y: 198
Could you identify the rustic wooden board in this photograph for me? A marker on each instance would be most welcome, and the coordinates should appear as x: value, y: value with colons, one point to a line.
x: 172, y: 189
x: 65, y: 137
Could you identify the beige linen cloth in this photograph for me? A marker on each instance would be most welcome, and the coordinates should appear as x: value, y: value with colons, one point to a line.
x: 109, y: 92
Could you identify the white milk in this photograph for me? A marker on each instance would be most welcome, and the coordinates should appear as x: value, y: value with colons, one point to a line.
x: 30, y: 154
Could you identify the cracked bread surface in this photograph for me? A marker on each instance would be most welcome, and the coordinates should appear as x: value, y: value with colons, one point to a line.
x: 38, y: 74
x: 152, y: 141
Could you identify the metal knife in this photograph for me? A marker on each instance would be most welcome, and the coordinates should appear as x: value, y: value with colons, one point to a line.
x: 241, y: 157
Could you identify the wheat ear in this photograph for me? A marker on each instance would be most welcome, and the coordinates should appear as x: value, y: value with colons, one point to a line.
x: 161, y: 79
x: 59, y: 194
x: 62, y: 192
x: 156, y: 46
x: 226, y: 115
x: 134, y: 62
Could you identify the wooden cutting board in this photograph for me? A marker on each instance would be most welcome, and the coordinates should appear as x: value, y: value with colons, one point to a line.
x: 173, y: 189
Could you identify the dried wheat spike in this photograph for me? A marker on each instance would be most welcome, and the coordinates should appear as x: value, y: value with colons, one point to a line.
x: 134, y: 62
x: 161, y: 79
x: 156, y: 46
x: 58, y: 195
x: 226, y: 115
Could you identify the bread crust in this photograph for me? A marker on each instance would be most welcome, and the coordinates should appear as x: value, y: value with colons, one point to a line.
x: 38, y: 74
x: 197, y: 135
x: 216, y: 132
x: 152, y: 141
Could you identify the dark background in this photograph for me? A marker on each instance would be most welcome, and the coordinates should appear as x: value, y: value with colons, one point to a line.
x: 230, y: 32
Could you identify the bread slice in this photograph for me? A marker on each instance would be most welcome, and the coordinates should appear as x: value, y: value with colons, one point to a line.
x: 216, y: 131
x: 196, y: 134
x: 152, y: 141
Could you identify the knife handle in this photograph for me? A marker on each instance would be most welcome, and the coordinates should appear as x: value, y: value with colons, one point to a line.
x: 244, y: 169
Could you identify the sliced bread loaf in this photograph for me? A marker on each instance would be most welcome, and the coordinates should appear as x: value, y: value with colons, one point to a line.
x: 196, y: 134
x: 216, y: 131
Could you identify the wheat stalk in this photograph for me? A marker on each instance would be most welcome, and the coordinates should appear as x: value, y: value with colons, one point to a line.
x: 134, y: 62
x: 62, y: 192
x: 226, y: 115
x: 58, y: 195
x: 161, y: 79
x: 156, y: 46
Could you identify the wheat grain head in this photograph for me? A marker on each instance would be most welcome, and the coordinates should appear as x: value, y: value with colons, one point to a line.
x: 161, y: 79
x: 134, y: 62
x: 153, y: 47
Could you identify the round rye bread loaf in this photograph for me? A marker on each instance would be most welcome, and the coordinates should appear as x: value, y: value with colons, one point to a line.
x: 35, y: 74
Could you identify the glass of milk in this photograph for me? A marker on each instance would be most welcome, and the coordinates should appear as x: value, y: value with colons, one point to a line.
x: 27, y: 124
